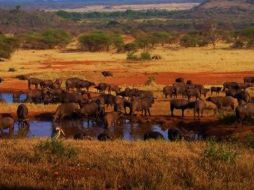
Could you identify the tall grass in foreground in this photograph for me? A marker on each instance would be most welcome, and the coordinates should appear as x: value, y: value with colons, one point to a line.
x: 126, y: 165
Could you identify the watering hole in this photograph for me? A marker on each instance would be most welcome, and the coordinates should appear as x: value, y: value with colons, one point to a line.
x: 126, y: 130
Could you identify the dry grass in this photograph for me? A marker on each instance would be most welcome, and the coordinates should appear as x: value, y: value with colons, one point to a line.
x: 56, y: 62
x: 126, y: 165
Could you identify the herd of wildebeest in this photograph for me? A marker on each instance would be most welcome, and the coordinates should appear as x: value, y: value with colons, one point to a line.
x: 77, y: 100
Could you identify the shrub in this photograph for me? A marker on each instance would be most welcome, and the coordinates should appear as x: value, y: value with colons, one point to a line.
x: 238, y: 44
x: 7, y: 46
x: 12, y: 69
x: 145, y: 56
x: 54, y: 149
x: 194, y: 40
x: 219, y: 152
x: 132, y: 56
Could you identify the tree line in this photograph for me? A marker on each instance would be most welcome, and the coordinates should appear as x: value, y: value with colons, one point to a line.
x: 112, y: 41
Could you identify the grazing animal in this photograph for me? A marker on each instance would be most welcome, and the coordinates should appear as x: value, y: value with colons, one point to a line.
x: 168, y: 91
x: 153, y: 135
x: 181, y: 104
x: 67, y: 110
x: 22, y: 112
x: 199, y: 108
x: 34, y: 81
x: 216, y: 89
x: 223, y: 102
x: 244, y: 111
x: 107, y: 74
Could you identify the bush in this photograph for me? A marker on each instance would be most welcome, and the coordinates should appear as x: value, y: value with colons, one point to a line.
x: 145, y: 56
x: 12, y: 69
x: 130, y: 47
x: 194, y: 40
x: 53, y: 149
x: 132, y: 56
x: 219, y: 152
x: 100, y: 41
x: 238, y: 44
x: 7, y: 46
x: 150, y: 81
x: 46, y: 40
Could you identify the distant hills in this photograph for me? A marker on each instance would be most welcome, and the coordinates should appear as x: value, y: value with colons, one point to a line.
x: 227, y: 4
x: 77, y: 3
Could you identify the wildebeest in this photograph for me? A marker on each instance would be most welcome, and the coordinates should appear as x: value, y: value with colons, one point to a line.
x: 72, y: 83
x: 153, y: 135
x: 113, y: 88
x: 34, y: 96
x: 168, y: 91
x: 102, y: 87
x: 46, y: 84
x: 216, y: 89
x: 244, y: 111
x: 6, y: 122
x: 141, y: 105
x: 92, y: 109
x: 223, y: 102
x: 181, y: 80
x: 85, y: 84
x: 181, y: 104
x: 67, y: 110
x: 34, y: 81
x: 107, y: 74
x: 248, y: 79
x: 230, y: 85
x: 193, y: 92
x: 204, y: 92
x: 199, y: 108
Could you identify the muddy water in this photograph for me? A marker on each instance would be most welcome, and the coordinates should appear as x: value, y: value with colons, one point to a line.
x: 127, y: 130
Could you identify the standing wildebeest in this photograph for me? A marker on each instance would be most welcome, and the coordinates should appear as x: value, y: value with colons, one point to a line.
x: 92, y: 109
x: 244, y: 111
x: 204, y: 92
x: 6, y: 122
x: 180, y: 104
x: 102, y: 87
x: 57, y: 83
x: 230, y: 85
x: 181, y: 80
x: 141, y: 105
x: 113, y: 88
x: 223, y: 102
x: 248, y: 80
x: 179, y: 88
x: 107, y: 74
x: 153, y: 135
x: 85, y: 84
x: 216, y: 89
x: 67, y: 110
x: 193, y: 92
x: 46, y: 84
x: 199, y: 107
x: 72, y: 83
x: 34, y: 96
x: 168, y: 91
x: 34, y: 81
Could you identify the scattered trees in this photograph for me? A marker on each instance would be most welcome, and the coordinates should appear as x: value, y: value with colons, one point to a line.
x: 45, y: 40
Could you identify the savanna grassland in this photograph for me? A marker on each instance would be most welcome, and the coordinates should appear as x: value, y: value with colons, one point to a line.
x: 125, y: 165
